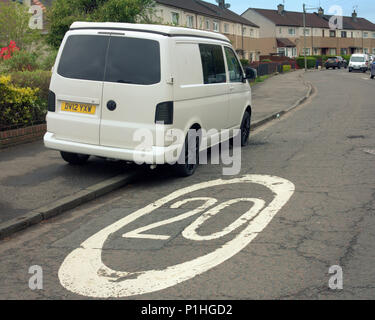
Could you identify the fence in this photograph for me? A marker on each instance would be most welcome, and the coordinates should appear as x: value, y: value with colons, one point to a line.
x: 265, y: 68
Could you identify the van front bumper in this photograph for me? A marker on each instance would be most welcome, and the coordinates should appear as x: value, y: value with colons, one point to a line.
x: 156, y: 155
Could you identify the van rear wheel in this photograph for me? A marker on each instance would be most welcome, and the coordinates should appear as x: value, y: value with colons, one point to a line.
x: 74, y: 158
x: 189, y: 158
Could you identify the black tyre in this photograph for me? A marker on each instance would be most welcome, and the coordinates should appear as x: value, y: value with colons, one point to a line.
x: 74, y: 158
x: 372, y: 77
x: 189, y: 159
x: 350, y: 69
x: 245, y: 128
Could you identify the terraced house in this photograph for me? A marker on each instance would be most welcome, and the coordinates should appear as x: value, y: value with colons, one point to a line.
x: 202, y: 15
x: 285, y: 30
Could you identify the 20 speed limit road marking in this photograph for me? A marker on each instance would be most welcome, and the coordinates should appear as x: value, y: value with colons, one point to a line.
x: 83, y: 271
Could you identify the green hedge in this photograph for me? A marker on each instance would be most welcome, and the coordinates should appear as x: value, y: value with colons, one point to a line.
x: 34, y: 79
x: 311, y: 62
x: 18, y: 105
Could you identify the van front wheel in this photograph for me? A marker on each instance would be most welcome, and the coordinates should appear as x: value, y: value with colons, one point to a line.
x: 74, y: 158
x: 245, y: 129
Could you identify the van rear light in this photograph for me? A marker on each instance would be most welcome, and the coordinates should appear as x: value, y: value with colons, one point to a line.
x: 164, y: 112
x: 51, y: 101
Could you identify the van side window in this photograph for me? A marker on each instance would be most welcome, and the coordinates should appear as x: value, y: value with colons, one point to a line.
x: 234, y: 67
x: 83, y: 57
x: 212, y: 63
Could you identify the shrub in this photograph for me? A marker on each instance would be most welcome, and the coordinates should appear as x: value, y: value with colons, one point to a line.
x: 244, y: 62
x: 287, y: 67
x: 21, y: 61
x: 38, y: 79
x: 48, y: 62
x: 311, y: 62
x: 266, y: 60
x: 18, y: 106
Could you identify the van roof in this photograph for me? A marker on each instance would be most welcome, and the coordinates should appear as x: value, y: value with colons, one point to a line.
x: 169, y: 31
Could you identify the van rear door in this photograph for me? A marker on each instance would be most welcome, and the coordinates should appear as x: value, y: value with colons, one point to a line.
x: 78, y: 83
x: 132, y: 89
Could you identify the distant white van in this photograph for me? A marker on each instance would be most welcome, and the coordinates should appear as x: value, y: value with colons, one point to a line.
x: 359, y: 62
x: 112, y: 79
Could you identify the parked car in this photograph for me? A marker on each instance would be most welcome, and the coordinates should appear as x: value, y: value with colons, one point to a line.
x: 359, y: 62
x: 335, y: 62
x: 105, y: 86
x: 373, y: 70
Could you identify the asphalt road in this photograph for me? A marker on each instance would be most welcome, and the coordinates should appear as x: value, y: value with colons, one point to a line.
x: 303, y: 202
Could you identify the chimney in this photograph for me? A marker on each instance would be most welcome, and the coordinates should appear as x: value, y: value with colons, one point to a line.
x: 321, y: 12
x: 221, y: 4
x: 354, y: 16
x: 280, y: 9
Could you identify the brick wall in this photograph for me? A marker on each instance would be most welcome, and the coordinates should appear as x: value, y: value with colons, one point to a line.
x: 22, y: 135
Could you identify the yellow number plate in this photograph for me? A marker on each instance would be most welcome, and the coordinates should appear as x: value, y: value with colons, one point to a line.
x: 78, y: 107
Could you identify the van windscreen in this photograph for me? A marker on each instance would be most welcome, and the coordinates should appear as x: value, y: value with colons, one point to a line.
x: 129, y: 60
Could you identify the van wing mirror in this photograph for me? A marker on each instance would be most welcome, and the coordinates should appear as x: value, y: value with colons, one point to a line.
x: 251, y: 73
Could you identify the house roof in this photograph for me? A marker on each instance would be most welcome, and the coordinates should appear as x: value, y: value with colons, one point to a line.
x: 207, y: 9
x: 292, y: 19
x: 295, y: 19
x: 359, y: 24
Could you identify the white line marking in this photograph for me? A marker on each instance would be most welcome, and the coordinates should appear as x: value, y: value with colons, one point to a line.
x: 83, y: 271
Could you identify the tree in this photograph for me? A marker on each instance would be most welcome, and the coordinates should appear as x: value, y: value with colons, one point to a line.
x: 64, y: 12
x: 14, y: 22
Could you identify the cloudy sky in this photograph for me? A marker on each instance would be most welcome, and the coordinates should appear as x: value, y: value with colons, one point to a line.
x: 365, y: 8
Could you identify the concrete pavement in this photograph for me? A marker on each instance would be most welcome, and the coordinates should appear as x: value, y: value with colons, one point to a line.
x: 35, y: 183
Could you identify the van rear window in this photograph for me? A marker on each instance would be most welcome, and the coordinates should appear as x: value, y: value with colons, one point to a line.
x: 83, y: 57
x: 112, y: 59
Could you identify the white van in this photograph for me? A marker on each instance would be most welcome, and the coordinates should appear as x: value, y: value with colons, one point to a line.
x: 359, y: 62
x: 112, y: 79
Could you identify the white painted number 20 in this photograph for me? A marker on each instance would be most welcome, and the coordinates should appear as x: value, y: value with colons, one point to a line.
x: 83, y: 271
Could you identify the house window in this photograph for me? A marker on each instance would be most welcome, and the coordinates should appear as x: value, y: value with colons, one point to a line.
x: 316, y: 51
x: 226, y: 28
x: 208, y: 26
x: 373, y: 51
x: 307, y: 50
x: 343, y: 34
x: 175, y: 18
x: 332, y: 51
x: 323, y: 33
x: 294, y: 52
x: 252, y: 33
x: 365, y: 50
x: 373, y: 34
x: 352, y: 34
x: 365, y: 34
x: 292, y: 31
x: 216, y: 26
x: 190, y: 21
x: 280, y: 31
x: 332, y: 33
x: 344, y: 51
x: 281, y: 51
x: 307, y: 32
x: 244, y: 30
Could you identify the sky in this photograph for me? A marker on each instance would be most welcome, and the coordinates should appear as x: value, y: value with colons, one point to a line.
x: 364, y: 8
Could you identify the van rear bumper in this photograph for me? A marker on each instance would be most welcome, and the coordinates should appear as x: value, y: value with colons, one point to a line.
x: 157, y: 155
